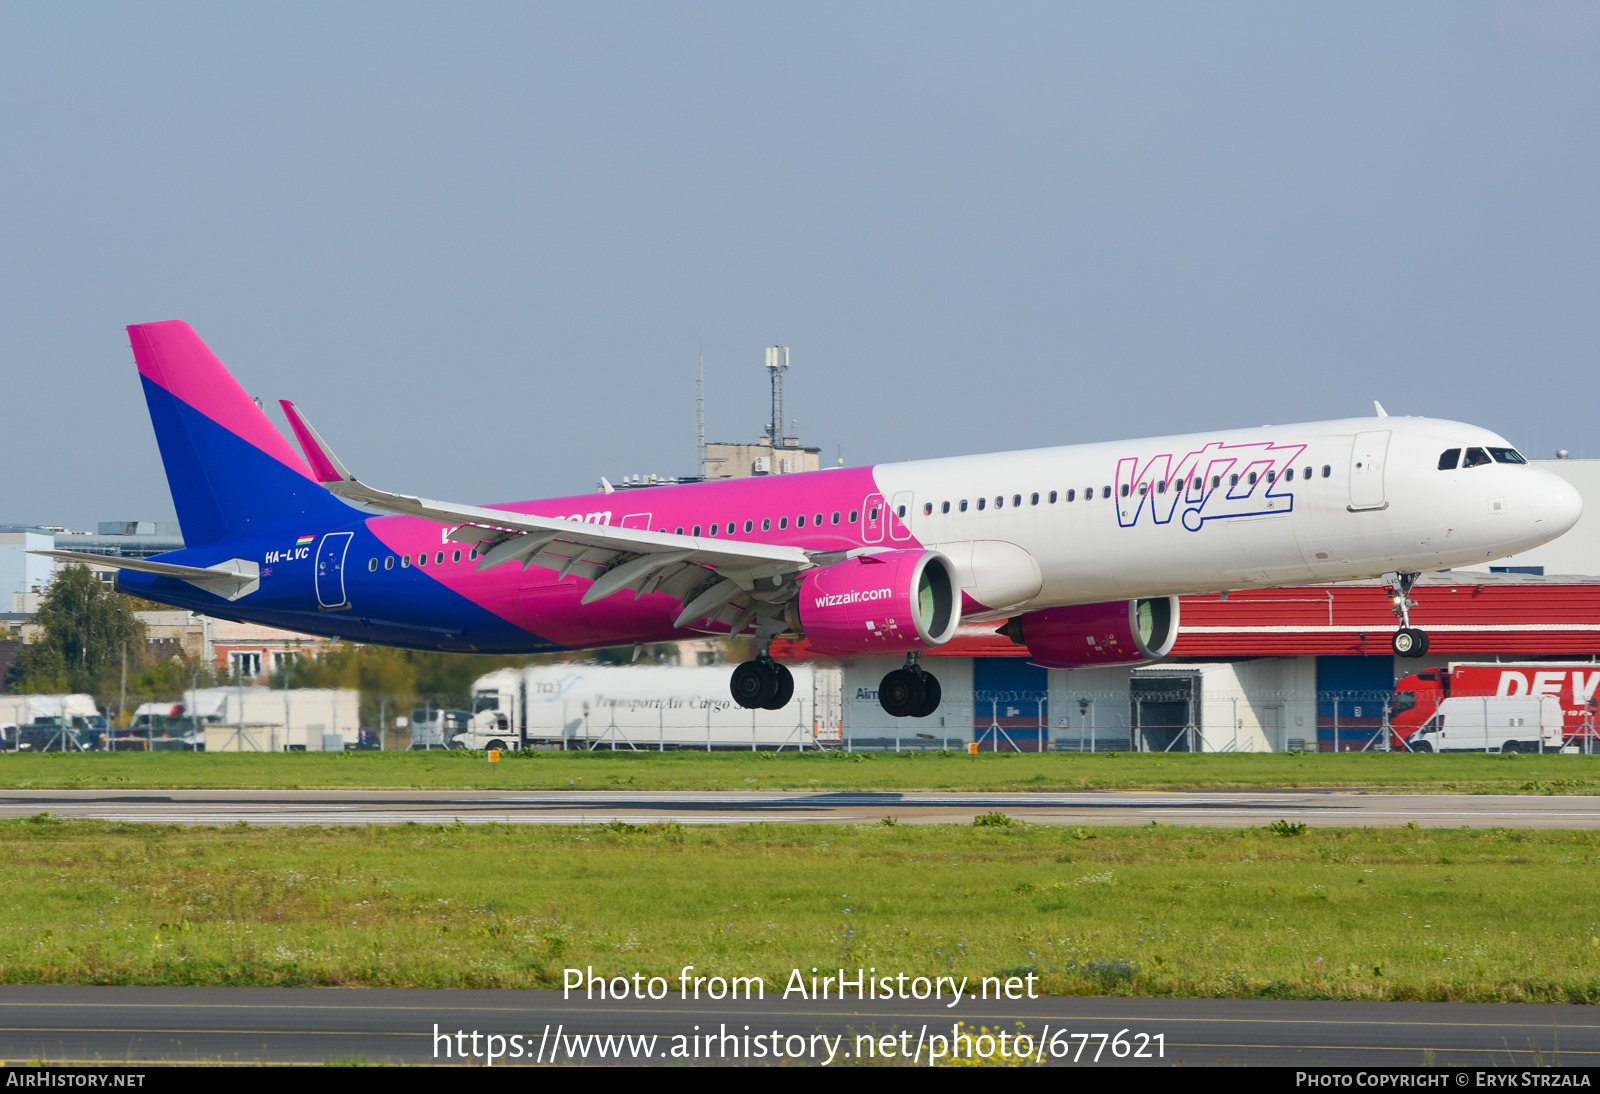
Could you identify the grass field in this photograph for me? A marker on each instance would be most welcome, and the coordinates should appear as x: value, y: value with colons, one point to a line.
x: 1391, y: 913
x: 811, y: 771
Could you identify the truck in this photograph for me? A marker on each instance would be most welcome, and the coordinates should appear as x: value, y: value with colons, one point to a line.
x: 50, y: 723
x: 577, y: 705
x: 1573, y: 684
x: 434, y: 728
x: 1524, y: 723
x: 160, y: 727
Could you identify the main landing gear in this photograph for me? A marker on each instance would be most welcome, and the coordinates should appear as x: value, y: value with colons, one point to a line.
x: 762, y: 683
x: 909, y: 692
x: 1408, y: 641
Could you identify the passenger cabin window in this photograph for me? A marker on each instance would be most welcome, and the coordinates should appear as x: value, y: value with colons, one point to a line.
x: 766, y: 524
x: 1327, y: 469
x: 678, y: 532
x: 1306, y: 474
x: 1476, y: 457
x: 1000, y: 503
x: 749, y: 526
x: 963, y: 505
x: 405, y: 562
x: 730, y: 527
x: 783, y: 522
x: 1506, y: 455
x: 388, y: 563
x: 1233, y: 480
x: 944, y: 507
x: 1052, y: 497
x: 1124, y: 490
x: 697, y: 529
x: 372, y: 564
x: 1161, y: 487
x: 817, y: 520
x: 1105, y: 492
x: 927, y: 508
x: 1449, y: 458
x: 899, y: 512
x: 712, y: 529
x: 836, y: 514
x: 1289, y: 474
x: 1252, y: 478
x: 1072, y: 495
x: 800, y: 521
x: 1216, y: 481
x: 422, y: 559
x: 1272, y: 476
x: 982, y: 502
x: 439, y: 558
x: 1016, y: 499
x: 853, y: 515
x: 1035, y: 499
x: 455, y: 556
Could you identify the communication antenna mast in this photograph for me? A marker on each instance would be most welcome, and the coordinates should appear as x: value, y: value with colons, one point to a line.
x: 777, y: 365
x: 700, y: 416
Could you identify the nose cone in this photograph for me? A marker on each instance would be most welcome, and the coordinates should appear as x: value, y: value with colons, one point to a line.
x: 1556, y: 504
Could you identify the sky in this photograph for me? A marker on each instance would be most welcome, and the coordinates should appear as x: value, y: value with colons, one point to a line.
x: 484, y: 246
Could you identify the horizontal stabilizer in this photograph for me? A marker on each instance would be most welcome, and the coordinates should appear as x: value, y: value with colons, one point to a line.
x: 230, y: 580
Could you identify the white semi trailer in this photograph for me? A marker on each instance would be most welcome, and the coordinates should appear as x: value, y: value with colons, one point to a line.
x: 647, y: 707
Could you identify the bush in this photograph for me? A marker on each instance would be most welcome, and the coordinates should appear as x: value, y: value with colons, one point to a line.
x: 994, y: 820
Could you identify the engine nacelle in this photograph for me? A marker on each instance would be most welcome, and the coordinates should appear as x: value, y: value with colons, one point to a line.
x: 890, y: 602
x: 1121, y: 632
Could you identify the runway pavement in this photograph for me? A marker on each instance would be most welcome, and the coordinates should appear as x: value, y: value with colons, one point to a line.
x: 1225, y: 808
x: 132, y: 1025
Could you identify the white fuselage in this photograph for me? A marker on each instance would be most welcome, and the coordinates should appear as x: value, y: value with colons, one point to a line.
x: 1168, y: 516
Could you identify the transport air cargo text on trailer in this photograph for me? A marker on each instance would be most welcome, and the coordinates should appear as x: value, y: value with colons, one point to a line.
x: 1418, y: 697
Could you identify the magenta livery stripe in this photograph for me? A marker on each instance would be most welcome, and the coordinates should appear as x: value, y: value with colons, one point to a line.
x: 536, y: 601
x: 172, y: 355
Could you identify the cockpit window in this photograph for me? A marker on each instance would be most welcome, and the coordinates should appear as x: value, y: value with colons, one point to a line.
x: 1449, y: 458
x: 1506, y: 455
x: 1476, y: 457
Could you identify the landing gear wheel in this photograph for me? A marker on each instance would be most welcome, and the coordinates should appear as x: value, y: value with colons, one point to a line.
x: 754, y: 684
x: 931, y: 694
x: 902, y: 693
x: 785, y: 690
x: 1410, y: 642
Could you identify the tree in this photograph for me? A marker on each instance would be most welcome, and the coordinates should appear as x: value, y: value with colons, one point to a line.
x: 87, y: 627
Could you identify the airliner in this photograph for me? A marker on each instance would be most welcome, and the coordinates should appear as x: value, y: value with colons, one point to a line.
x: 1079, y: 553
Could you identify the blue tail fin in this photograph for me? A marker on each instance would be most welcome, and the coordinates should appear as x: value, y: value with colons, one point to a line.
x: 231, y: 473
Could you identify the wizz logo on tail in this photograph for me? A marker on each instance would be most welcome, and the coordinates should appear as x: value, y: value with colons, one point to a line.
x: 1217, y: 481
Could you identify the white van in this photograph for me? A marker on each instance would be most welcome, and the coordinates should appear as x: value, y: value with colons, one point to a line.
x: 1510, y: 724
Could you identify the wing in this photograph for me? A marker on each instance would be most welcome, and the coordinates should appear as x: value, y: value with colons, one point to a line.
x: 230, y: 580
x: 722, y: 580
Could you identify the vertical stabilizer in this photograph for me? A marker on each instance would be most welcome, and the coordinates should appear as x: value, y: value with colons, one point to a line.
x: 231, y: 472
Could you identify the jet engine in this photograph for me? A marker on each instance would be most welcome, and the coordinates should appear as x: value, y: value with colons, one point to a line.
x: 1120, y: 632
x: 890, y: 602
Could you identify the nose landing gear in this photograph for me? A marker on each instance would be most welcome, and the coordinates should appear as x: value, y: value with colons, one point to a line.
x: 910, y: 692
x: 1408, y: 641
